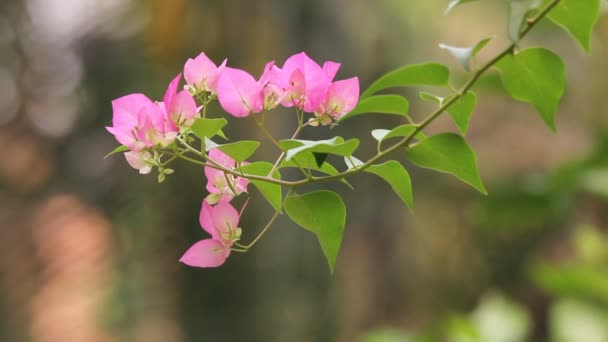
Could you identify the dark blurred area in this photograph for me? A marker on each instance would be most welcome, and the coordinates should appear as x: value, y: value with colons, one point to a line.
x: 89, y: 249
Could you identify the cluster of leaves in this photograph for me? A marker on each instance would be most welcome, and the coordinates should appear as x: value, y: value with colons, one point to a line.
x: 533, y: 75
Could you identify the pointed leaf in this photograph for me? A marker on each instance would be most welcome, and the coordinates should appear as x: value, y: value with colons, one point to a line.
x: 536, y: 76
x: 449, y: 153
x: 455, y: 3
x: 270, y: 191
x: 461, y: 111
x: 426, y: 96
x: 386, y: 104
x: 207, y: 128
x: 323, y: 213
x: 518, y: 11
x: 465, y: 55
x: 336, y: 146
x: 399, y: 131
x: 416, y: 74
x: 397, y: 177
x: 352, y: 162
x: 578, y: 17
x: 240, y: 150
x: 121, y: 148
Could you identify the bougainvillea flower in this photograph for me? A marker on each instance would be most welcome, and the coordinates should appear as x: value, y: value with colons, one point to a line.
x: 313, y: 81
x: 273, y: 95
x: 202, y: 74
x: 239, y: 93
x: 141, y: 161
x: 221, y: 186
x: 131, y: 120
x: 221, y: 222
x: 206, y: 253
x: 180, y: 107
x: 340, y: 98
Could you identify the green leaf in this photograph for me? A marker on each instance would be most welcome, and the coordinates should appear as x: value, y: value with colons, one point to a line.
x: 352, y: 162
x: 386, y: 104
x: 578, y: 17
x: 323, y: 213
x: 455, y: 3
x: 240, y: 150
x: 121, y: 148
x: 426, y: 96
x: 518, y: 11
x: 461, y: 111
x: 397, y: 177
x: 465, y: 55
x: 449, y: 153
x: 536, y: 76
x: 270, y: 191
x: 336, y: 146
x: 399, y: 131
x: 308, y: 161
x: 207, y: 128
x: 416, y: 74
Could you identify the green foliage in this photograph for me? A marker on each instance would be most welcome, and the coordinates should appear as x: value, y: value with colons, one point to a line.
x: 416, y: 74
x: 578, y: 18
x: 399, y: 131
x: 518, y: 11
x: 308, y: 161
x: 386, y: 104
x: 448, y: 153
x: 537, y: 76
x: 323, y: 213
x: 272, y: 192
x: 455, y: 3
x: 397, y: 177
x: 121, y: 148
x: 466, y: 55
x: 240, y: 150
x: 336, y: 145
x: 208, y: 128
x: 462, y: 110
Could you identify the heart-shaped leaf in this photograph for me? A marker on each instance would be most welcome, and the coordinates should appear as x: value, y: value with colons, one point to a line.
x: 323, y: 213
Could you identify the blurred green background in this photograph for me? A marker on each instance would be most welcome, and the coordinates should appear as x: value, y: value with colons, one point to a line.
x: 89, y: 249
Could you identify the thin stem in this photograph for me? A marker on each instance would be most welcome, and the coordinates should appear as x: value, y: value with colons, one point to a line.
x: 270, y: 222
x: 402, y: 143
x: 267, y: 133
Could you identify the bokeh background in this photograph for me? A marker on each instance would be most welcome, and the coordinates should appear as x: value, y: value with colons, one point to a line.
x: 89, y: 249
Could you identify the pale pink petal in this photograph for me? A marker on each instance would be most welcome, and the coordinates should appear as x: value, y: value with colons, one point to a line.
x: 222, y: 158
x: 239, y: 93
x: 182, y: 106
x: 206, y: 253
x: 296, y: 91
x: 342, y: 97
x: 225, y: 218
x: 202, y: 73
x: 206, y: 220
x: 124, y: 137
x: 331, y: 69
x: 171, y: 91
x: 126, y: 108
x: 139, y: 161
x: 213, y: 78
x: 317, y: 79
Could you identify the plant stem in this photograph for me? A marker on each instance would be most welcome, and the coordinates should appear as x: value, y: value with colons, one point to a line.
x: 402, y: 143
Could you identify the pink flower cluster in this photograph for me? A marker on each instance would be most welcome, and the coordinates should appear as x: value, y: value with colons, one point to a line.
x: 140, y: 123
x: 221, y: 220
x: 301, y: 82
